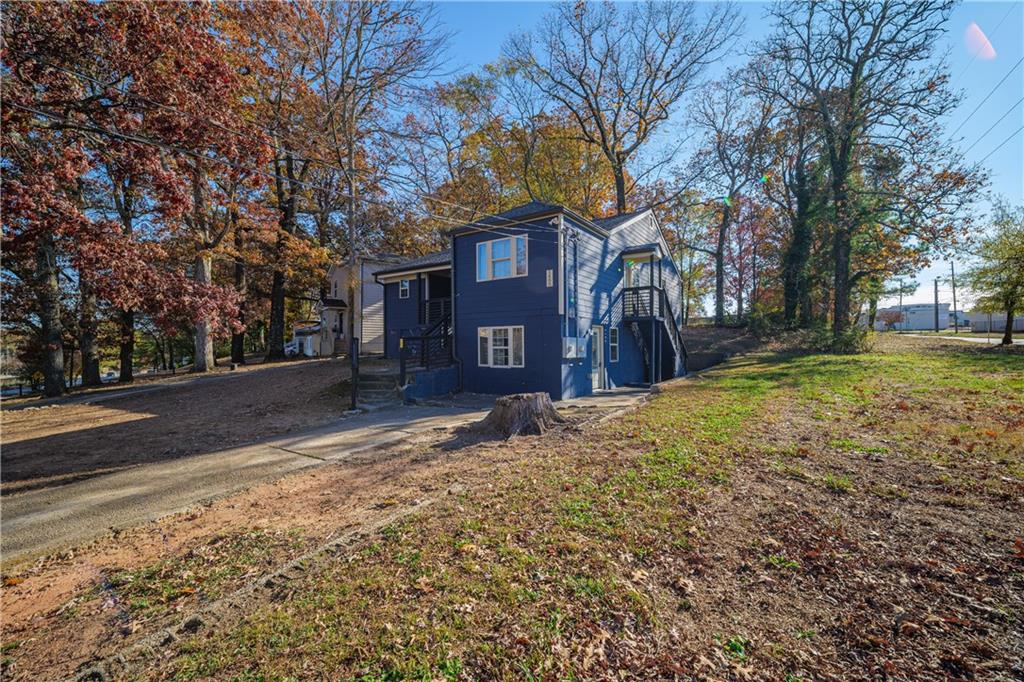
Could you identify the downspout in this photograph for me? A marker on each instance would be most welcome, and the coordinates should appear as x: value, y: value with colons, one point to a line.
x: 562, y: 294
x: 455, y: 345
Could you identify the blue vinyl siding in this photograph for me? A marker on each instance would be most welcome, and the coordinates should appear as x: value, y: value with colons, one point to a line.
x: 401, y: 315
x: 599, y: 273
x: 514, y: 301
x: 592, y: 282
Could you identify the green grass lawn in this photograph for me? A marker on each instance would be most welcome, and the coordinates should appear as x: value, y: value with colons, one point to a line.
x: 579, y: 560
x: 785, y: 516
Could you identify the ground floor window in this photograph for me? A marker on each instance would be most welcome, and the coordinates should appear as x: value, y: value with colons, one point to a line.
x: 613, y: 344
x: 500, y: 346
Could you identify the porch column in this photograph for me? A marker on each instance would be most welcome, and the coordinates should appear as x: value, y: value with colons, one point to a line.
x: 420, y: 316
x: 654, y: 351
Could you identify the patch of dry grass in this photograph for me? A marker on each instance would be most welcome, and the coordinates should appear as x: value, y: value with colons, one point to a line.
x: 785, y: 516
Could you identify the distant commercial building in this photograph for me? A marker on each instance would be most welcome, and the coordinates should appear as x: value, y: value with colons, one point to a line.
x: 911, y: 317
x: 980, y: 322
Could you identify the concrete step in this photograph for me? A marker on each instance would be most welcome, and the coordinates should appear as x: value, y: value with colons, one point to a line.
x: 378, y: 380
x: 364, y: 388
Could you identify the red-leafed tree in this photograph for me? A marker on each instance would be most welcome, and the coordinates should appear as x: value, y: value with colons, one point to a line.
x: 112, y: 98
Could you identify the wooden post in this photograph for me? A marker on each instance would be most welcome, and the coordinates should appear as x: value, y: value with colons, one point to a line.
x: 401, y: 361
x: 353, y: 351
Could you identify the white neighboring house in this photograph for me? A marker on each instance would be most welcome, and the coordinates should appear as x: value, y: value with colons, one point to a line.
x: 915, y: 317
x: 304, y: 341
x: 334, y: 307
x: 980, y: 321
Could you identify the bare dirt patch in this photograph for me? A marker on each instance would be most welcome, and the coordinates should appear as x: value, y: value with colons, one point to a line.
x: 787, y: 516
x: 89, y: 602
x: 59, y: 442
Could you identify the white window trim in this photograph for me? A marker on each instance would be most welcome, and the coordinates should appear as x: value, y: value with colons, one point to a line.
x: 403, y: 290
x: 490, y: 347
x: 613, y: 344
x: 488, y: 248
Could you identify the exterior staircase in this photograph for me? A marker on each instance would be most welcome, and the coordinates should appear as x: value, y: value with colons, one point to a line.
x: 642, y: 306
x: 378, y: 386
x: 639, y: 337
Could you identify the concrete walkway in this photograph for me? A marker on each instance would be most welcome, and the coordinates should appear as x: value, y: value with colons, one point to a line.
x: 39, y: 521
x: 997, y: 338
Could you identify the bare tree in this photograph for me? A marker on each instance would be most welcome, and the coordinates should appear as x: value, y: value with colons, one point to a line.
x: 734, y: 126
x: 867, y: 72
x: 621, y: 71
x: 796, y: 187
x: 367, y: 57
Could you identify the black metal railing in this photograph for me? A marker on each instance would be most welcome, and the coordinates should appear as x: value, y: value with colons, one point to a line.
x: 641, y: 302
x: 650, y: 301
x: 435, y: 309
x: 429, y: 350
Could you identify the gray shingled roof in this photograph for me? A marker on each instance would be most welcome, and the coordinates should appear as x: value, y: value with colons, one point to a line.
x: 641, y: 248
x: 431, y: 260
x: 614, y: 221
x: 521, y: 211
x: 535, y: 207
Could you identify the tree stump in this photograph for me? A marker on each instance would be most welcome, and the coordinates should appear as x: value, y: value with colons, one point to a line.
x: 521, y: 414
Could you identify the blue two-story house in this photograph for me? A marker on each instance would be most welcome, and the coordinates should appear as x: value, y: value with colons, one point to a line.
x: 538, y: 298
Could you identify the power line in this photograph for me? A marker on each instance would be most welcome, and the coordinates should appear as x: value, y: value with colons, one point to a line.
x: 1012, y: 135
x: 998, y: 121
x: 990, y: 93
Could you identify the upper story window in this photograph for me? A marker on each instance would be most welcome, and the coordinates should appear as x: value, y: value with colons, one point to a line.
x: 334, y: 289
x: 501, y: 258
x: 403, y: 288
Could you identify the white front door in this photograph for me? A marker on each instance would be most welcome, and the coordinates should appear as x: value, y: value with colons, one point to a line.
x: 597, y: 357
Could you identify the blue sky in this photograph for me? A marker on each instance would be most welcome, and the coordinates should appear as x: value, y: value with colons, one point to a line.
x: 480, y: 28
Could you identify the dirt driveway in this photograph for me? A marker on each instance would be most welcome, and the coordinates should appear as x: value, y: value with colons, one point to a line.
x: 84, y: 436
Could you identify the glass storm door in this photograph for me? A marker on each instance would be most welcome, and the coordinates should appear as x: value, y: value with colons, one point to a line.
x: 597, y: 357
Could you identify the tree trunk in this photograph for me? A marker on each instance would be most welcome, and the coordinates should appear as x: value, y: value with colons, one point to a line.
x: 126, y: 346
x: 275, y: 334
x: 521, y: 413
x: 872, y: 312
x: 839, y: 163
x: 162, y: 355
x: 794, y: 271
x: 48, y: 293
x: 1008, y: 332
x: 203, y: 359
x: 238, y: 338
x: 723, y: 229
x: 620, y: 187
x: 286, y: 194
x: 689, y: 291
x: 841, y: 285
x: 806, y: 306
x: 71, y: 364
x: 87, y: 340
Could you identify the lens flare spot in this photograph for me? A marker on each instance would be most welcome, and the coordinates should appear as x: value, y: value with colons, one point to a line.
x: 977, y: 43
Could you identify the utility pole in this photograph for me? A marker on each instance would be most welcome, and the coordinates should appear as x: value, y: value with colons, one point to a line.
x: 936, y: 305
x: 952, y: 277
x: 901, y: 306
